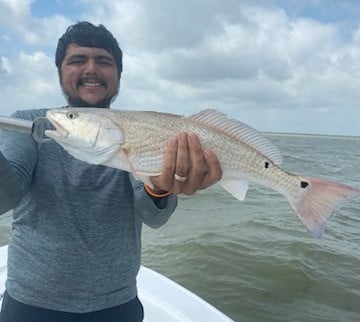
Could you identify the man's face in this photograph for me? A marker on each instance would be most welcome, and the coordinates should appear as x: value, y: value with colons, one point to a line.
x: 89, y: 76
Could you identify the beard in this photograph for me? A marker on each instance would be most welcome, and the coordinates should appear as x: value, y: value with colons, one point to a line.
x: 79, y: 102
x: 76, y: 101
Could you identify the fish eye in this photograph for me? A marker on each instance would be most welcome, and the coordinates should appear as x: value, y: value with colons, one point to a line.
x: 72, y: 115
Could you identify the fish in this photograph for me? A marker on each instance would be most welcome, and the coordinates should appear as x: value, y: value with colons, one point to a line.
x: 135, y: 141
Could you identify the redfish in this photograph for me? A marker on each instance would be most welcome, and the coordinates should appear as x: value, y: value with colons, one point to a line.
x: 135, y: 141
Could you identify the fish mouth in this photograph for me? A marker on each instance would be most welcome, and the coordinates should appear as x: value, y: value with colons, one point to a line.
x: 59, y: 131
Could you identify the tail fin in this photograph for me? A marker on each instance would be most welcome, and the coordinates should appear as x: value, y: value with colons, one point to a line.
x: 315, y: 201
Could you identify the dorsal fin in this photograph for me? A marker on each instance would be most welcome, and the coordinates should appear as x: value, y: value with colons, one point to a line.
x: 240, y: 131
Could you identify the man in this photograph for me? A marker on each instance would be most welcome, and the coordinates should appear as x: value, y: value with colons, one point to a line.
x: 75, y: 243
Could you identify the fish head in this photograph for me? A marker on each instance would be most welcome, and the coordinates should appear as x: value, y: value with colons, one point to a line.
x: 88, y: 134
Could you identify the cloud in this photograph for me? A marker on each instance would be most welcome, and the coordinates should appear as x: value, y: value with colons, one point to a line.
x: 263, y: 57
x: 15, y: 15
x: 17, y: 20
x: 28, y: 80
x: 245, y: 58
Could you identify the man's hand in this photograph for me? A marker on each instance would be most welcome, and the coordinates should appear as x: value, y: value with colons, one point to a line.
x: 187, y: 167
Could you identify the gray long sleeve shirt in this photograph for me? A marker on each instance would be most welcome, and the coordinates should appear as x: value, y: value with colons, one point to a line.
x: 76, y: 237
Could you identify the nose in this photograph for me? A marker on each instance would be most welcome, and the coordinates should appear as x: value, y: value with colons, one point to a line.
x: 91, y: 67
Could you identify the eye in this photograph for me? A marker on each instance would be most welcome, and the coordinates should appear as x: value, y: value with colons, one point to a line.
x: 105, y: 61
x: 72, y: 115
x: 76, y: 60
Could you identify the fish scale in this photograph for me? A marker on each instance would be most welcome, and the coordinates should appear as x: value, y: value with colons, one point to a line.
x: 146, y: 143
x: 135, y: 141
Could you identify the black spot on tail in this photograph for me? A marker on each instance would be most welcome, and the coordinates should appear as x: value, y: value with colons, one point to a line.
x: 267, y: 165
x: 304, y: 184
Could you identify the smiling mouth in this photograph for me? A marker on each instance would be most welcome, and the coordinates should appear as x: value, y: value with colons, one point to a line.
x: 91, y: 82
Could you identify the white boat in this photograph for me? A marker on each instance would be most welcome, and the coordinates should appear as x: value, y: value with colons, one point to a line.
x: 163, y: 299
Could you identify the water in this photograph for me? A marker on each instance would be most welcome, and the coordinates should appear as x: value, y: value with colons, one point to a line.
x: 254, y: 260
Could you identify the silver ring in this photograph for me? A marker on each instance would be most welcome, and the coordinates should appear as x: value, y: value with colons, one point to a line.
x: 180, y: 178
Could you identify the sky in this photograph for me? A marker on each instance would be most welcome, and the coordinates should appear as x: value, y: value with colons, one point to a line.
x: 279, y: 66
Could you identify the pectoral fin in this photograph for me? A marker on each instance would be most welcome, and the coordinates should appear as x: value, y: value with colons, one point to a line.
x: 236, y: 187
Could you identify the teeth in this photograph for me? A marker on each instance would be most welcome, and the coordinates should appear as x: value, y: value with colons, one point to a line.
x: 91, y: 84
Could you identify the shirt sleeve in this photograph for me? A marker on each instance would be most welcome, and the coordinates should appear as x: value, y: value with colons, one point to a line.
x: 154, y: 212
x: 10, y: 187
x: 18, y: 158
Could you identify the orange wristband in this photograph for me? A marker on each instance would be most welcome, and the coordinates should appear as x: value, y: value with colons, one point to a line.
x: 152, y: 193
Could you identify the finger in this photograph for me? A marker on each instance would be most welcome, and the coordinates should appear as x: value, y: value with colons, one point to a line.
x: 182, y: 157
x: 166, y: 180
x: 198, y: 166
x: 214, y: 173
x: 182, y: 163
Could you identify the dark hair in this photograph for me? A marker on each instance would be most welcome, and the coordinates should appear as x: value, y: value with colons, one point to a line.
x: 88, y: 35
